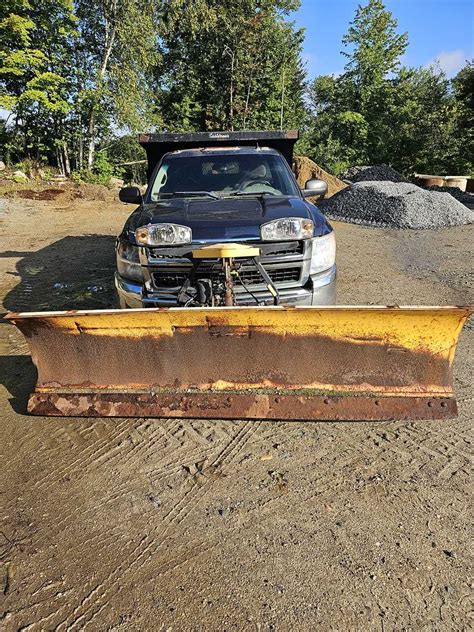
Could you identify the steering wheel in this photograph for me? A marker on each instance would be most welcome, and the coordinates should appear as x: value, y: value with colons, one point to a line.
x: 247, y: 183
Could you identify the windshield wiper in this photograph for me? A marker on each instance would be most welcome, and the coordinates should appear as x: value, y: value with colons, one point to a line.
x: 193, y: 193
x: 254, y: 193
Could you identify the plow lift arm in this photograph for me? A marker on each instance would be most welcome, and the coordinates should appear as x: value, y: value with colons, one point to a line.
x: 228, y: 255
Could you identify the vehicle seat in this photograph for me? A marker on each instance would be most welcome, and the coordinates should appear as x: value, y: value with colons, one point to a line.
x: 259, y: 173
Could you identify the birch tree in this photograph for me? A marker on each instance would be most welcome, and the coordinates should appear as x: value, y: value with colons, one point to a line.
x: 117, y: 50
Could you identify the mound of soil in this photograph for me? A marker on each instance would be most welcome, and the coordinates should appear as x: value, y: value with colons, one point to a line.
x: 94, y: 192
x: 46, y: 194
x: 305, y: 169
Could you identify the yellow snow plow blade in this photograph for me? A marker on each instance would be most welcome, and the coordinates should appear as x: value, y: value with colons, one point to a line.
x: 354, y: 363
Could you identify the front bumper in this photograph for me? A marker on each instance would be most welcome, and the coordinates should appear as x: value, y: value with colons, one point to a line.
x: 320, y: 290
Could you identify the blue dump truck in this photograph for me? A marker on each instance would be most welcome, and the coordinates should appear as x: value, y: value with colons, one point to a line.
x: 220, y: 188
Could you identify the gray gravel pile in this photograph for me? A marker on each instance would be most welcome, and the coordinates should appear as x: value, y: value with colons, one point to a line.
x: 396, y: 205
x: 462, y: 196
x: 370, y: 173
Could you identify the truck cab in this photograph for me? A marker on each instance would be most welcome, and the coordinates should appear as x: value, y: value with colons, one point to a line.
x: 217, y: 188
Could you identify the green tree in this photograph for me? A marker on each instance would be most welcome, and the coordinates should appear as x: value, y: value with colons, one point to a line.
x: 74, y: 74
x: 35, y: 44
x: 374, y: 52
x: 337, y: 133
x: 463, y: 88
x: 377, y: 111
x: 419, y: 108
x: 230, y: 64
x: 375, y: 46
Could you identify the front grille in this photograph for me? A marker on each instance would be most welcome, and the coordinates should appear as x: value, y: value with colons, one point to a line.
x: 160, y: 254
x: 277, y: 275
x: 283, y: 249
x: 278, y: 249
x: 168, y: 279
x: 248, y: 276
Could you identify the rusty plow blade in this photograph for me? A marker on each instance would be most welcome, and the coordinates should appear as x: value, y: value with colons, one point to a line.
x: 346, y: 363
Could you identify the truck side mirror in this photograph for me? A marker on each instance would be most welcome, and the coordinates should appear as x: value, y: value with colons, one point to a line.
x: 315, y: 187
x: 130, y: 195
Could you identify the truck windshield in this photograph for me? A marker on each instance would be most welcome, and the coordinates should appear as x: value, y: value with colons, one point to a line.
x: 226, y: 175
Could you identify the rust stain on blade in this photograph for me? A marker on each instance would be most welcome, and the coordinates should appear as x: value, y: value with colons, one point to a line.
x: 196, y: 360
x: 240, y: 406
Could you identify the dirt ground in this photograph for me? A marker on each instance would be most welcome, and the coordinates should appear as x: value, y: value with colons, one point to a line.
x: 143, y: 524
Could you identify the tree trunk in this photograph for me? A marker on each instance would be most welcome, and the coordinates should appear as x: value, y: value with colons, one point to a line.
x: 67, y: 164
x: 108, y: 45
x: 59, y: 158
x: 91, y: 135
x: 229, y: 51
x: 80, y: 153
x: 282, y: 97
x: 247, y: 100
x: 80, y: 148
x: 232, y: 93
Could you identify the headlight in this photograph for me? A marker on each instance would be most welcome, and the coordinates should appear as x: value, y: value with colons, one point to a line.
x: 287, y: 228
x: 324, y: 253
x: 128, y: 262
x: 163, y: 235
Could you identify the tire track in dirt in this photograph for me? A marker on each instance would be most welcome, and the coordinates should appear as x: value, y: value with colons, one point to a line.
x: 145, y: 549
x: 179, y: 511
x: 194, y: 548
x: 185, y: 454
x: 231, y: 448
x: 76, y: 512
x: 159, y: 435
x: 40, y: 623
x: 94, y: 452
x: 148, y: 448
x: 417, y: 437
x: 351, y: 448
x: 412, y: 446
x: 73, y: 511
x: 58, y: 599
x: 84, y: 458
x: 31, y: 442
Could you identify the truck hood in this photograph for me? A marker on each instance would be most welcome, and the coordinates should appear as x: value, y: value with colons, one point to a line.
x: 227, y: 219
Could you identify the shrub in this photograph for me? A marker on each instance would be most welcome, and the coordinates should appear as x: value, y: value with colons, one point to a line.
x: 101, y: 172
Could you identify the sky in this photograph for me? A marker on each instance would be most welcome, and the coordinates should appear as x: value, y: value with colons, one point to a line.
x: 440, y: 30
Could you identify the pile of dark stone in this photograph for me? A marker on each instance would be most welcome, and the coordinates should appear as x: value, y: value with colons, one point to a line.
x: 462, y: 196
x: 371, y: 173
x: 396, y: 205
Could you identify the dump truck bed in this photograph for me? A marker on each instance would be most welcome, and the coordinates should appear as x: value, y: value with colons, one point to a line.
x: 157, y: 145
